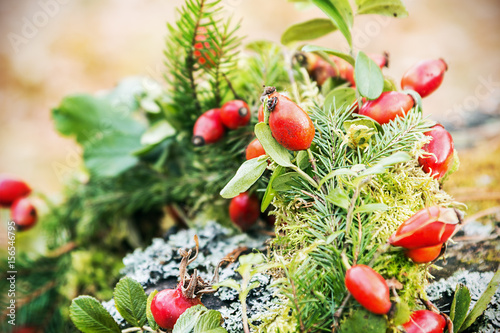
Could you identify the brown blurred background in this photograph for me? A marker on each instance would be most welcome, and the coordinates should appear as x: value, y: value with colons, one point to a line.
x: 87, y: 45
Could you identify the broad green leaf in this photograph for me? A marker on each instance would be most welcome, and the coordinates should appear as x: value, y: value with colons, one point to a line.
x: 344, y: 8
x: 364, y: 321
x: 151, y: 320
x: 308, y: 30
x: 339, y: 197
x: 334, y: 12
x: 337, y: 172
x: 248, y: 173
x: 386, y: 162
x: 368, y: 122
x: 303, y: 160
x: 131, y: 301
x: 285, y: 181
x: 313, y: 48
x: 89, y: 316
x: 401, y: 314
x: 229, y: 283
x: 368, y: 77
x: 277, y: 152
x: 368, y: 208
x: 393, y: 8
x: 459, y: 306
x: 209, y: 322
x: 188, y: 320
x: 270, y: 191
x: 339, y: 98
x: 483, y: 301
x: 157, y: 133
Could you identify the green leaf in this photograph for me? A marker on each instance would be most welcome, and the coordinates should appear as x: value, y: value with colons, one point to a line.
x: 345, y: 10
x: 364, y: 321
x: 368, y: 122
x: 386, y: 162
x: 270, y: 191
x: 285, y: 182
x: 248, y: 173
x: 151, y: 320
x: 368, y: 208
x: 393, y: 8
x: 157, y: 133
x: 277, y: 152
x: 131, y: 301
x: 308, y: 30
x: 459, y: 306
x: 337, y: 172
x: 339, y: 98
x: 229, y: 283
x: 313, y: 48
x: 401, y: 314
x: 303, y: 160
x: 334, y: 12
x: 483, y: 301
x: 253, y: 285
x: 188, y: 320
x: 89, y: 316
x: 368, y: 76
x: 247, y: 262
x: 339, y: 197
x: 210, y: 322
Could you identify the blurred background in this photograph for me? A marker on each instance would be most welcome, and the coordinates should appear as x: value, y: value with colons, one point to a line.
x: 51, y: 48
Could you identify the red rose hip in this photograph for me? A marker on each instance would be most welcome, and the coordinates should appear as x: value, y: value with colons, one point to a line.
x: 425, y: 76
x: 425, y: 321
x: 23, y: 213
x: 388, y: 106
x: 254, y: 149
x: 244, y: 210
x: 12, y: 189
x: 203, y: 50
x: 235, y: 114
x: 208, y: 128
x: 424, y: 255
x: 440, y: 152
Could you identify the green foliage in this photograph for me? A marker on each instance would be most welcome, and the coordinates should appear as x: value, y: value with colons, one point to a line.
x: 370, y: 81
x: 130, y: 301
x: 89, y: 316
x: 382, y: 7
x: 246, y: 176
x: 459, y: 306
x: 198, y: 319
x: 338, y: 11
x: 308, y: 30
x: 364, y: 321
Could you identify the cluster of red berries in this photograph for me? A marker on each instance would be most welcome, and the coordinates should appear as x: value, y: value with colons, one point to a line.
x: 14, y: 194
x: 211, y: 125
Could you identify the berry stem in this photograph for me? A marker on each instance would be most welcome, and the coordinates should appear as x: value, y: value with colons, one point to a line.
x: 305, y: 176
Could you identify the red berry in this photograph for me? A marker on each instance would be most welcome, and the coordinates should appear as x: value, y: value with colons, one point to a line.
x: 368, y: 288
x: 424, y: 254
x: 425, y: 76
x: 428, y: 227
x: 260, y: 115
x: 290, y: 125
x: 254, y: 150
x: 12, y: 189
x: 382, y: 60
x: 345, y: 70
x: 388, y: 106
x: 244, y: 210
x: 204, y: 52
x: 235, y: 114
x: 208, y: 128
x: 23, y: 213
x: 441, y: 148
x: 169, y: 304
x: 425, y: 321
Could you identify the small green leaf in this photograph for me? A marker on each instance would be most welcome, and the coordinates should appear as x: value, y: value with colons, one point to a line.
x: 277, y: 152
x: 483, y: 301
x: 308, y: 30
x: 393, y: 8
x: 229, y: 283
x: 248, y: 173
x: 386, y: 162
x: 131, y: 301
x: 368, y: 208
x: 270, y: 191
x: 340, y: 98
x: 389, y: 85
x: 151, y: 320
x: 313, y: 48
x: 364, y: 321
x: 285, y: 182
x: 344, y: 8
x: 334, y: 12
x: 401, y: 314
x: 253, y: 285
x: 188, y: 320
x: 337, y: 172
x: 339, y: 197
x: 89, y: 316
x: 368, y: 76
x: 157, y: 133
x: 368, y: 122
x: 209, y: 322
x: 459, y: 306
x: 303, y: 160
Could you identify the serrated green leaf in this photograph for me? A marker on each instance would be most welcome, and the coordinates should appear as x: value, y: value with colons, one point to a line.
x: 158, y: 132
x: 210, y: 322
x: 89, y: 316
x: 393, y: 8
x: 244, y: 293
x: 334, y: 12
x: 368, y: 77
x: 339, y: 197
x: 188, y: 320
x: 277, y: 152
x: 270, y: 191
x: 368, y: 208
x: 339, y: 98
x: 151, y: 320
x: 248, y: 173
x: 285, y: 181
x: 313, y: 48
x: 131, y: 301
x: 459, y: 306
x: 364, y: 321
x: 229, y: 283
x: 401, y: 314
x: 482, y: 302
x: 308, y: 30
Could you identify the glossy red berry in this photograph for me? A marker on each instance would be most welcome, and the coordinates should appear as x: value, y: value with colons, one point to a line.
x: 382, y: 60
x: 345, y: 70
x: 260, y: 114
x: 244, y: 210
x: 440, y: 152
x: 368, y: 288
x: 424, y: 254
x: 235, y: 114
x: 23, y: 213
x: 388, y: 106
x: 169, y: 304
x: 425, y: 76
x: 425, y: 321
x: 428, y: 227
x: 290, y: 125
x: 203, y: 50
x: 208, y: 128
x: 12, y: 189
x: 254, y: 149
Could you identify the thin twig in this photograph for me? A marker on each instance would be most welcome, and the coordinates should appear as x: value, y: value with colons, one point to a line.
x: 339, y: 311
x: 353, y: 203
x: 236, y: 96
